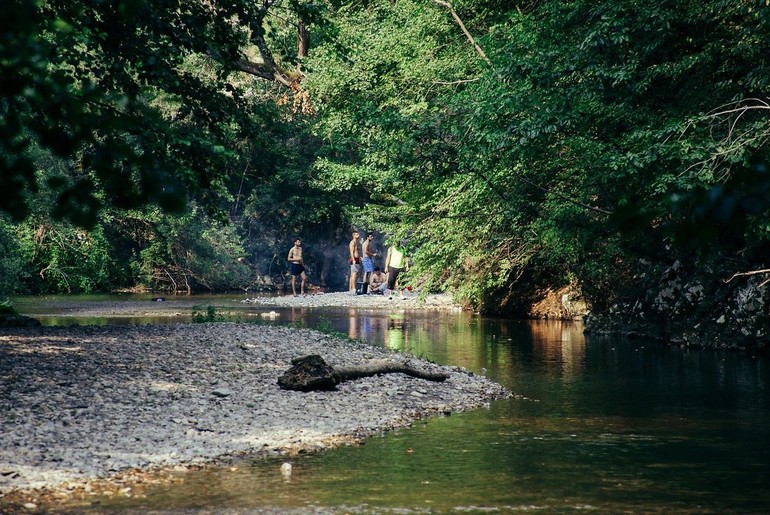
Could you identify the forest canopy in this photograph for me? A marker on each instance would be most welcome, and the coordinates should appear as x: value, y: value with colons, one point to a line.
x: 548, y: 143
x: 517, y: 147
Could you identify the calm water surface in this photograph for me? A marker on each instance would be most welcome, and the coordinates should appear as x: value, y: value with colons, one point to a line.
x: 596, y: 424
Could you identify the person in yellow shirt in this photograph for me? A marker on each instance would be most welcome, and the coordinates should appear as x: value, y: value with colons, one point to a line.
x: 395, y: 262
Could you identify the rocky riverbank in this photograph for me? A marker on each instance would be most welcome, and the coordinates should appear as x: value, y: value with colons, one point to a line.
x: 181, y: 306
x: 690, y: 307
x: 397, y: 300
x: 83, y: 403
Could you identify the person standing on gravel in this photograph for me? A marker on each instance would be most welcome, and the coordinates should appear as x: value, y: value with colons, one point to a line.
x: 354, y: 248
x: 297, y: 266
x: 369, y: 255
x: 395, y: 262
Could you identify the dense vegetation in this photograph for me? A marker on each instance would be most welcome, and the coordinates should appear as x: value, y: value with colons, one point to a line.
x: 140, y: 144
x: 619, y: 148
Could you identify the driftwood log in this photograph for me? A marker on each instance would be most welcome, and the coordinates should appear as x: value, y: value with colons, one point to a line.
x: 310, y: 373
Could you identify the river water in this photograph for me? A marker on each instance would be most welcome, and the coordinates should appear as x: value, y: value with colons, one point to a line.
x: 601, y: 424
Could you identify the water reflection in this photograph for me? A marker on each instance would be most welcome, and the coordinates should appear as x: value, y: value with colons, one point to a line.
x: 353, y: 325
x: 559, y: 344
x: 296, y: 316
x: 397, y: 337
x: 601, y: 424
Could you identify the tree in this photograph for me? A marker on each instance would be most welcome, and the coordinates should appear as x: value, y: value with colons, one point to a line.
x: 109, y: 109
x: 142, y: 99
x: 192, y: 253
x: 548, y: 148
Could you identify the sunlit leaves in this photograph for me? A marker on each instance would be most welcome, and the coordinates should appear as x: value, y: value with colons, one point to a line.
x: 569, y: 149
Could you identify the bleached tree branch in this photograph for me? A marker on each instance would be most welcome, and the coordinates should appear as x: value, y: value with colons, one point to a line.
x: 734, y: 140
x: 460, y: 24
x: 752, y: 272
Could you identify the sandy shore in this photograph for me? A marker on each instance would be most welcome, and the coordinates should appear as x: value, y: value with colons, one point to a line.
x: 82, y: 403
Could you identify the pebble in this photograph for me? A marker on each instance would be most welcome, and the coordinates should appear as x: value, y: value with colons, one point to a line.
x: 87, y: 402
x: 345, y: 299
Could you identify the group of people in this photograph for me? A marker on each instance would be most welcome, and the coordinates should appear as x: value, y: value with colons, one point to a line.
x: 362, y: 265
x: 362, y: 260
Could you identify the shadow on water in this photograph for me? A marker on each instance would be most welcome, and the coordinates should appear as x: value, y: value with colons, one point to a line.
x: 604, y: 424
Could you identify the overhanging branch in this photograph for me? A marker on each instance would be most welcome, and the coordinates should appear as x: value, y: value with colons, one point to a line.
x: 267, y: 72
x: 752, y: 272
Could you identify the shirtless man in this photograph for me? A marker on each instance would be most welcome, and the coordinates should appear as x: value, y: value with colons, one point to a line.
x: 354, y: 260
x: 378, y: 282
x: 297, y: 265
x: 369, y: 255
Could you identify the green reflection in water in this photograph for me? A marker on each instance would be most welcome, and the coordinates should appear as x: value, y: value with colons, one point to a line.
x: 617, y: 426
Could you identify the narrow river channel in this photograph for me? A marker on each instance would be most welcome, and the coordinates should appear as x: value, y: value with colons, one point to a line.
x: 596, y: 424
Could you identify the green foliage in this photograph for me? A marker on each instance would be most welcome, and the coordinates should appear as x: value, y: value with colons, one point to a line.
x: 127, y: 93
x: 61, y: 258
x: 600, y: 134
x: 372, y: 85
x: 575, y: 141
x: 6, y: 308
x: 209, y: 316
x: 325, y: 326
x: 191, y: 253
x: 110, y: 109
x: 11, y: 261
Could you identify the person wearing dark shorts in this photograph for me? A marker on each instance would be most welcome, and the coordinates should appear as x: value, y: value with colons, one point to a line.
x: 297, y: 267
x: 396, y: 262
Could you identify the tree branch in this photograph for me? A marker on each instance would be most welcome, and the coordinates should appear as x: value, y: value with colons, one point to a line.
x: 386, y: 367
x: 312, y: 373
x: 752, y: 272
x: 269, y: 72
x: 465, y: 31
x: 734, y: 141
x: 454, y: 82
x: 565, y: 197
x: 268, y: 69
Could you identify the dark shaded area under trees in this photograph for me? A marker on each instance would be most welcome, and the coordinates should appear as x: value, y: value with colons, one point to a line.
x: 616, y: 148
x: 141, y: 146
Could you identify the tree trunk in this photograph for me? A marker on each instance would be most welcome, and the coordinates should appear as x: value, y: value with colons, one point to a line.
x: 374, y: 368
x: 303, y: 39
x: 310, y: 373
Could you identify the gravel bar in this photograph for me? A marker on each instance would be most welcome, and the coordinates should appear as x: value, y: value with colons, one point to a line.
x: 85, y: 403
x: 397, y: 300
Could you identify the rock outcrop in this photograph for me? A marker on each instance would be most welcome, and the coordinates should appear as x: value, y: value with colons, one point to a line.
x: 691, y: 307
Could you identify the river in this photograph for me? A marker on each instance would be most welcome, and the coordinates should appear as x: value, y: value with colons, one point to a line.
x: 601, y: 424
